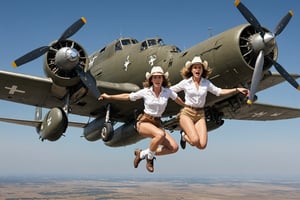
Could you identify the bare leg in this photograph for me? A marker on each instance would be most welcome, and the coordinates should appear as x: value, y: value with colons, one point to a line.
x: 149, y: 130
x: 169, y: 146
x: 202, y: 133
x: 188, y: 127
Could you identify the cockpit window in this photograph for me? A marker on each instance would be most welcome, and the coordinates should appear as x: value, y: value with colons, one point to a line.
x: 151, y: 42
x: 124, y: 42
x: 102, y: 50
x: 134, y: 41
x: 144, y: 45
x: 160, y: 41
x: 118, y: 46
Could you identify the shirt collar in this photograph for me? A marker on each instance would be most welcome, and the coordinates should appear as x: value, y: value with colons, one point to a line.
x: 191, y: 79
x: 163, y: 89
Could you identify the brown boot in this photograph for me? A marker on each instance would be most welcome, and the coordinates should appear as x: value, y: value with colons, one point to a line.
x: 137, y: 158
x: 150, y: 164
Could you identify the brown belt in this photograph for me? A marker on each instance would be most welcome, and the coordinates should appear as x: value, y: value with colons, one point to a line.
x: 151, y: 117
x: 194, y: 108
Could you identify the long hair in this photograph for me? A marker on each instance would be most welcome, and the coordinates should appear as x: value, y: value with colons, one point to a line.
x: 187, y: 72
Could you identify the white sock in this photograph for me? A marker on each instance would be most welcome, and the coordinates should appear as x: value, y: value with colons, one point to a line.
x: 159, y: 148
x: 183, y: 134
x: 151, y: 155
x: 144, y: 153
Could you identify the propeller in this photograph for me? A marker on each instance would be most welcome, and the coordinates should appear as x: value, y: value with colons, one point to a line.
x: 86, y: 77
x: 256, y: 75
x: 88, y: 80
x: 265, y: 45
x: 282, y: 24
x: 249, y: 17
x: 73, y: 29
x: 42, y: 50
x: 30, y: 56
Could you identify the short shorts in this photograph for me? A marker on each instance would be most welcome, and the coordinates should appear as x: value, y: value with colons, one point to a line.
x: 156, y: 121
x: 194, y: 115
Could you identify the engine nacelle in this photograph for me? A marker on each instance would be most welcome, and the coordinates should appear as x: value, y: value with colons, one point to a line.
x: 62, y: 59
x: 125, y: 134
x: 92, y: 131
x: 54, y: 125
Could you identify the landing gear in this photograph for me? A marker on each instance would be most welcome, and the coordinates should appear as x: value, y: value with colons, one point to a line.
x: 107, y: 130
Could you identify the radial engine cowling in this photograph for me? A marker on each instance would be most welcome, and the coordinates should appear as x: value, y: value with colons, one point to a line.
x: 54, y: 125
x: 92, y: 131
x: 62, y: 59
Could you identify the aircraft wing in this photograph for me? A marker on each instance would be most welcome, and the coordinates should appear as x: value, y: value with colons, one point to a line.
x: 37, y: 91
x: 271, y: 79
x: 37, y: 123
x: 261, y: 112
x: 26, y: 89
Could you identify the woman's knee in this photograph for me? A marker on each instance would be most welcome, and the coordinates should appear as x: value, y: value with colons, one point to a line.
x: 202, y: 146
x: 194, y: 141
x: 174, y: 148
x: 160, y: 134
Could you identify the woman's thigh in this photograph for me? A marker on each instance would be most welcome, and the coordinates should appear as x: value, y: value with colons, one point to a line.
x: 147, y: 129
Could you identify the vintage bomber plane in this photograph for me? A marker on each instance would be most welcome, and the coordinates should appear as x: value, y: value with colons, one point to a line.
x: 241, y: 56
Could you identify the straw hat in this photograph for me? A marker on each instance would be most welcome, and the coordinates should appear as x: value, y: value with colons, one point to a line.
x: 196, y: 60
x: 156, y: 70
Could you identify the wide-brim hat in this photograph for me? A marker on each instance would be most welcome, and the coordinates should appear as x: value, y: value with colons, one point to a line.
x: 196, y: 60
x: 156, y: 70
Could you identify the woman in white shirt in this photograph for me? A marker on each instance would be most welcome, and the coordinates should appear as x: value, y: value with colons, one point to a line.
x: 195, y: 86
x: 155, y: 94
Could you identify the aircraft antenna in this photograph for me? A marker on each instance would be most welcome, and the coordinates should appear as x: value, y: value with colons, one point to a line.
x: 121, y: 35
x: 210, y: 31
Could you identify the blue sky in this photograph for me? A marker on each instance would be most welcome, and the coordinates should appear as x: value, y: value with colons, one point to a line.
x: 239, y: 148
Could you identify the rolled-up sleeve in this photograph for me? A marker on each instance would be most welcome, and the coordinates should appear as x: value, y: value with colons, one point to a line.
x: 173, y: 95
x: 214, y: 89
x: 178, y: 87
x: 133, y: 96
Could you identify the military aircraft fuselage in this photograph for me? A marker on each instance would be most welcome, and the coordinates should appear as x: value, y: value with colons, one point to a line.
x: 126, y: 60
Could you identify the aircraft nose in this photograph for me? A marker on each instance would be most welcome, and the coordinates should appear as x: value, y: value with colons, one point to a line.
x: 71, y: 54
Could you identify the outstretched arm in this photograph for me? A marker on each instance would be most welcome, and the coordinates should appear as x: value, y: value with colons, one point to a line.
x: 234, y: 90
x: 122, y: 97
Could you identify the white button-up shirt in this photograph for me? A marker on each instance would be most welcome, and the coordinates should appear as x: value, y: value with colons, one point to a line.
x: 154, y: 105
x: 196, y: 97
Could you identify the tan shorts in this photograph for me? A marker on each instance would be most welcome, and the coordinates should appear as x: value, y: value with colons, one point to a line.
x: 194, y: 115
x: 156, y: 121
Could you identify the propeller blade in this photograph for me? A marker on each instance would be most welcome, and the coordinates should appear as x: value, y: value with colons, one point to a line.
x: 30, y: 56
x: 73, y: 29
x: 282, y: 24
x: 285, y: 74
x: 249, y: 16
x: 89, y: 81
x: 257, y: 74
